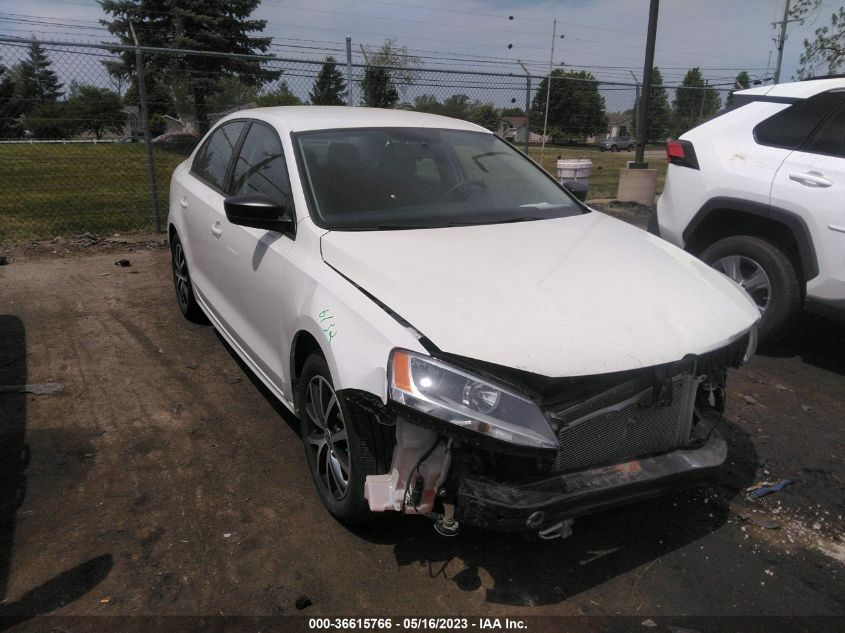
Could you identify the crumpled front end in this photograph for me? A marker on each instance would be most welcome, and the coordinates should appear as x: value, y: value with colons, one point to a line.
x: 620, y: 438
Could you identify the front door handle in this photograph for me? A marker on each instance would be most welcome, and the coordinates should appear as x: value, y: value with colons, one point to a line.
x: 183, y: 203
x: 216, y: 231
x: 810, y: 179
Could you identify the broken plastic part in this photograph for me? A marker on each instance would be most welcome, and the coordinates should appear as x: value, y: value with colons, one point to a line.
x: 560, y: 530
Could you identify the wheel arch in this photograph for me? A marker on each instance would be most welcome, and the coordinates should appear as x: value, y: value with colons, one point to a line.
x: 723, y: 217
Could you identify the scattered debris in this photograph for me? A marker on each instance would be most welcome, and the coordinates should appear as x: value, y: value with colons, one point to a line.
x: 649, y: 623
x: 780, y: 387
x: 105, y: 600
x: 767, y: 490
x: 769, y: 572
x: 192, y: 365
x: 805, y: 408
x: 756, y: 519
x: 104, y: 274
x: 177, y: 405
x: 39, y: 389
x: 303, y: 602
x: 123, y: 263
x: 749, y: 399
x: 227, y: 535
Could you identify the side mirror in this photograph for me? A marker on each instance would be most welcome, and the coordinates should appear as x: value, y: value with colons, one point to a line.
x: 258, y: 211
x: 577, y: 189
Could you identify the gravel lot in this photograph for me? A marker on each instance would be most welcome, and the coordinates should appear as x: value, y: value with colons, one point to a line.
x: 164, y: 480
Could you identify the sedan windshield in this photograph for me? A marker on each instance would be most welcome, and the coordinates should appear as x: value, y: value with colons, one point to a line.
x: 396, y: 178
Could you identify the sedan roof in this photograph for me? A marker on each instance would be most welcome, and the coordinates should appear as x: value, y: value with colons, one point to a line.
x: 796, y: 89
x: 306, y: 118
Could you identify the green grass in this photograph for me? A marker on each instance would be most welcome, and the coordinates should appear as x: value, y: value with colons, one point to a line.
x: 604, y: 179
x: 64, y: 190
x: 48, y: 190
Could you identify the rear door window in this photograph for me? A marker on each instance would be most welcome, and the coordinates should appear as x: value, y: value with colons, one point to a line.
x: 789, y: 128
x: 212, y: 160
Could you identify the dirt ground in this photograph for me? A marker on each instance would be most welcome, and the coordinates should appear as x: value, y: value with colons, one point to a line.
x: 164, y: 480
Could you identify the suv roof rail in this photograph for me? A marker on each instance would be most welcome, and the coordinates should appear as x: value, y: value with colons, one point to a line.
x: 839, y: 76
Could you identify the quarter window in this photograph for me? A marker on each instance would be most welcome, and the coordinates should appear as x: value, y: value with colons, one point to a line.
x: 261, y: 167
x: 829, y: 139
x: 789, y: 128
x: 212, y: 159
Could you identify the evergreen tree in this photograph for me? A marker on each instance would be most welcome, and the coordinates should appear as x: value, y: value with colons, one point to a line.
x: 741, y: 82
x: 36, y: 82
x: 96, y: 110
x: 576, y: 108
x: 218, y: 26
x: 378, y: 88
x: 694, y: 102
x: 329, y: 87
x: 9, y: 127
x: 281, y: 96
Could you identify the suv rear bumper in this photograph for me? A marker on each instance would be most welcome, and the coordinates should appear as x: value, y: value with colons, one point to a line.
x: 539, y: 504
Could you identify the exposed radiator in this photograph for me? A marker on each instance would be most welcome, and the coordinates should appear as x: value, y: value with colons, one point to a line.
x: 628, y: 430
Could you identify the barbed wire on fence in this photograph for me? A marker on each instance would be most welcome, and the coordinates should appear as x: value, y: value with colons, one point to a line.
x: 71, y: 130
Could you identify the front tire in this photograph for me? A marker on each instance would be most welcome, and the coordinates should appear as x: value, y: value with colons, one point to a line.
x: 342, y: 444
x: 767, y: 274
x: 182, y: 283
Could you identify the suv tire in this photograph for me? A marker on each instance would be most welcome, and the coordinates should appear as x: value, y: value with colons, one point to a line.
x: 784, y: 299
x: 356, y: 445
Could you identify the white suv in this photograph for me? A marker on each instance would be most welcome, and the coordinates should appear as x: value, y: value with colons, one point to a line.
x: 759, y: 193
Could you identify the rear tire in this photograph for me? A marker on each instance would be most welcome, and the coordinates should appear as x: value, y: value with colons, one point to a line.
x: 630, y: 148
x: 343, y: 444
x: 781, y: 303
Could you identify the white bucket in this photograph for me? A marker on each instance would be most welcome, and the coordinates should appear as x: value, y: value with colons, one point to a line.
x: 574, y: 169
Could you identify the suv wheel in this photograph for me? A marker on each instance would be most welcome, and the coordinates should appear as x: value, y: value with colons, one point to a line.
x: 766, y: 274
x: 613, y: 148
x: 341, y: 446
x: 630, y: 148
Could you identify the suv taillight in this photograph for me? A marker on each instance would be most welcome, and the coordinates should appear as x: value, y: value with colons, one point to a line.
x: 681, y: 153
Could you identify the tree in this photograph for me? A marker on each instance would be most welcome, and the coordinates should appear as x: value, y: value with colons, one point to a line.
x: 378, y: 88
x: 96, y: 110
x: 825, y: 54
x: 576, y: 108
x: 456, y: 106
x: 219, y: 26
x: 486, y: 115
x: 53, y: 120
x: 428, y: 103
x: 35, y: 80
x: 694, y: 102
x: 659, y: 109
x: 281, y: 96
x: 402, y: 64
x: 9, y: 125
x: 329, y: 87
x: 513, y: 112
x: 232, y: 93
x: 741, y: 82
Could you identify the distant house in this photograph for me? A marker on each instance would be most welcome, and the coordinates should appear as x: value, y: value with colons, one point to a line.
x: 514, y: 129
x: 618, y: 124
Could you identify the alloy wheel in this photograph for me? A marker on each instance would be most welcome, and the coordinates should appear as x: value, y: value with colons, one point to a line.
x: 327, y: 437
x: 180, y: 275
x: 748, y: 274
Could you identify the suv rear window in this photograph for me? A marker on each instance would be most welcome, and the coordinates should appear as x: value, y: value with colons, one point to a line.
x: 790, y: 127
x: 829, y: 139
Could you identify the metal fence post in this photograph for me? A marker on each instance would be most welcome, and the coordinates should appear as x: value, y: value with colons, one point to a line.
x: 145, y: 122
x: 527, y: 104
x: 348, y: 70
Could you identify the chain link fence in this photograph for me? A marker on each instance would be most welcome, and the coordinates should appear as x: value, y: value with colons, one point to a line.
x: 72, y: 123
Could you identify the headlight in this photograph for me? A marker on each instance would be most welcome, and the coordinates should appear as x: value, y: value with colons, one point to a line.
x: 457, y: 397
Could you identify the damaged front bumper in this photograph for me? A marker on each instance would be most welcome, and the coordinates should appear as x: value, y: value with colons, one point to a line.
x: 542, y: 503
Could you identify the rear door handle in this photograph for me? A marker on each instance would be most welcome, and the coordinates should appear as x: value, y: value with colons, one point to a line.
x: 810, y: 179
x: 183, y: 203
x: 216, y: 231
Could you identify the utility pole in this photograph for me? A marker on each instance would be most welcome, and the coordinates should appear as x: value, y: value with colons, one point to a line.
x: 636, y: 98
x: 780, y: 41
x: 548, y: 89
x: 648, y: 66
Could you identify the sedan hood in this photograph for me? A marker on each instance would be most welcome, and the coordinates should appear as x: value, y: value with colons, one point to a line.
x: 565, y: 297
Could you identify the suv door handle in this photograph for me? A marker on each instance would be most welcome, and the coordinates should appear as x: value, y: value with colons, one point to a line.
x: 810, y: 179
x: 216, y: 231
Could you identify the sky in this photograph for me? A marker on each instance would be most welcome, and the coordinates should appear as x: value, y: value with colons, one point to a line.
x: 606, y: 37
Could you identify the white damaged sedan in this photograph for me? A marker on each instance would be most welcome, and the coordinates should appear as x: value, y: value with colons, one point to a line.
x: 459, y: 336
